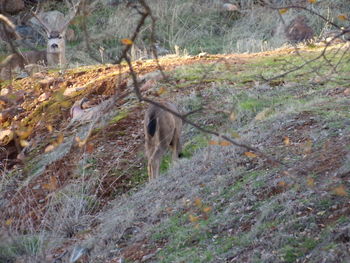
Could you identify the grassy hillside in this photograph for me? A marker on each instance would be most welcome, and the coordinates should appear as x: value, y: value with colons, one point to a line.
x: 80, y: 193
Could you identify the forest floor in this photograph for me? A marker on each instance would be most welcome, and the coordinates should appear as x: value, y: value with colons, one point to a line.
x: 78, y: 180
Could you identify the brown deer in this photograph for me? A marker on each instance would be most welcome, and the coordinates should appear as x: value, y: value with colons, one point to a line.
x: 18, y: 60
x: 162, y: 131
x: 55, y: 54
x: 55, y: 30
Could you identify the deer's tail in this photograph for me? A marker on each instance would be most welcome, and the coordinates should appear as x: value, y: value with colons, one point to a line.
x: 152, y: 123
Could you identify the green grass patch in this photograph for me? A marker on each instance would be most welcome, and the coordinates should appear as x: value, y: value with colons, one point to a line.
x: 24, y: 245
x: 296, y: 248
x: 121, y: 115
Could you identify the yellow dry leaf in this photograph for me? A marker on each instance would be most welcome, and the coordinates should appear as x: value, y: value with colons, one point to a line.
x: 80, y: 142
x: 283, y: 11
x: 224, y: 143
x: 343, y: 17
x: 9, y: 221
x: 207, y: 209
x: 250, y: 154
x: 65, y: 104
x: 235, y: 135
x: 198, y: 202
x: 262, y: 115
x: 213, y: 142
x: 340, y: 190
x: 193, y: 218
x: 24, y: 133
x: 233, y: 116
x: 307, y: 146
x: 161, y: 90
x: 6, y: 136
x: 310, y: 182
x: 282, y: 184
x: 24, y: 143
x: 49, y: 148
x: 49, y: 128
x: 60, y: 139
x: 312, y: 1
x: 286, y: 140
x: 126, y: 41
x: 52, y: 185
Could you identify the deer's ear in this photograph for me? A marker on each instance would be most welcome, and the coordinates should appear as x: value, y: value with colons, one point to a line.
x: 63, y: 32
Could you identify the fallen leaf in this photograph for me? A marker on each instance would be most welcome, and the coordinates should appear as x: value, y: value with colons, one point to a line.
x: 49, y: 128
x: 250, y: 154
x: 52, y: 185
x: 60, y: 139
x: 286, y: 140
x: 342, y: 17
x: 321, y: 213
x: 307, y: 146
x: 24, y: 143
x: 49, y: 148
x: 207, y: 209
x: 9, y: 221
x: 80, y: 142
x: 233, y: 116
x: 347, y: 92
x: 224, y: 143
x: 283, y: 11
x: 235, y: 135
x: 43, y: 97
x: 310, y: 182
x: 24, y: 133
x: 282, y: 184
x: 340, y: 190
x: 193, y: 218
x: 213, y: 142
x: 6, y: 136
x: 198, y: 202
x: 126, y: 41
x: 161, y: 91
x: 262, y: 115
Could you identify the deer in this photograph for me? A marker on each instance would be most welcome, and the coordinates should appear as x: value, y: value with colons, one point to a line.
x: 162, y: 131
x: 55, y: 53
x: 17, y: 60
x: 20, y: 60
x: 56, y: 41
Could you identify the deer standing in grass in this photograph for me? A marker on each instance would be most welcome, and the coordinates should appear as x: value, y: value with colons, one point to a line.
x: 162, y: 131
x: 56, y: 31
x: 55, y: 54
x: 18, y: 60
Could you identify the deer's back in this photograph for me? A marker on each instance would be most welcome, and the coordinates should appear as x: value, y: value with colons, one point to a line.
x: 160, y: 125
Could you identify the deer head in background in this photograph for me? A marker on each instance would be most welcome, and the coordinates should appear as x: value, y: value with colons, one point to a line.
x: 55, y: 27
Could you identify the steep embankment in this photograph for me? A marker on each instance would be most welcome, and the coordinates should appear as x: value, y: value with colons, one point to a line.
x: 219, y: 204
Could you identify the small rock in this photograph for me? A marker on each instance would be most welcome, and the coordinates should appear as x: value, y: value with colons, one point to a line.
x: 46, y: 82
x: 229, y: 7
x: 36, y: 187
x: 43, y: 97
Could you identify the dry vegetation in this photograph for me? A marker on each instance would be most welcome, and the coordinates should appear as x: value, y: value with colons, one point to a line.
x: 75, y: 189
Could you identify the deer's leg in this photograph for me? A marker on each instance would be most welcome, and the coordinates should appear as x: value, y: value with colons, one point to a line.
x: 150, y: 170
x: 175, y: 146
x: 155, y: 161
